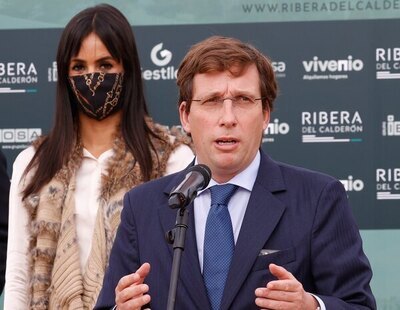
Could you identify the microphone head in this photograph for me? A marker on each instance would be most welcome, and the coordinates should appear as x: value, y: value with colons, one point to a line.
x: 205, y: 172
x: 197, y: 178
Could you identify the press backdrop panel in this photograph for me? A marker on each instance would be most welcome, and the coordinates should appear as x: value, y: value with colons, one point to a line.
x: 338, y: 109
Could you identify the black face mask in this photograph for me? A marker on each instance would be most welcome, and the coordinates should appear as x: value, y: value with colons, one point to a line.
x: 97, y: 94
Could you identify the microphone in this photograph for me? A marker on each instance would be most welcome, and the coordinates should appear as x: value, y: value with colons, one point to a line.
x: 197, y: 178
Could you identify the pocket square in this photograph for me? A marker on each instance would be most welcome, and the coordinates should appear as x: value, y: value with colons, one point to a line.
x: 264, y: 252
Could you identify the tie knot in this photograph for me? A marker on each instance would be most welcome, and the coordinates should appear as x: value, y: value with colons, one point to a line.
x: 221, y: 194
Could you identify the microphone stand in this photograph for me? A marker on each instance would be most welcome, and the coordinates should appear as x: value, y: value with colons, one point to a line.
x: 177, y: 237
x: 196, y: 179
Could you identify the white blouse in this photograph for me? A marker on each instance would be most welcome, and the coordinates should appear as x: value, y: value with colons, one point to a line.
x: 86, y: 193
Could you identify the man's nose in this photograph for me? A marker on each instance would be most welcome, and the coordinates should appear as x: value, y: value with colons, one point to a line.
x: 228, y: 115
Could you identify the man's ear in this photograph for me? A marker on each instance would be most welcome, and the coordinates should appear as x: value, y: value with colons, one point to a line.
x: 267, y: 115
x: 184, y: 117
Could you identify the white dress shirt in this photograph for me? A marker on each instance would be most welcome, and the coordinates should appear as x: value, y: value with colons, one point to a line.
x: 237, y: 204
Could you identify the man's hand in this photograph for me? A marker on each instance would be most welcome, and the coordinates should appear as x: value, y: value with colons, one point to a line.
x: 130, y: 292
x: 284, y: 293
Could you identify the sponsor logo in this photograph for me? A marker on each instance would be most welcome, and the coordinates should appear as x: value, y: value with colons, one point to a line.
x: 318, y: 69
x: 52, y: 72
x: 15, y: 74
x: 18, y: 138
x: 390, y: 127
x: 161, y: 58
x: 331, y: 126
x: 352, y: 185
x: 388, y: 184
x: 279, y: 68
x: 387, y: 63
x: 274, y: 130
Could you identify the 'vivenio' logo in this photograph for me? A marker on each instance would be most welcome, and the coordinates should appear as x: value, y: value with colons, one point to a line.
x: 331, y: 69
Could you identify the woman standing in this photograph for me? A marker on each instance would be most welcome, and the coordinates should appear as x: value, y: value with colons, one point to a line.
x: 67, y: 189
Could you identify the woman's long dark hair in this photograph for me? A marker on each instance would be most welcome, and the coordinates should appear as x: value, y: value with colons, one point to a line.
x: 114, y: 30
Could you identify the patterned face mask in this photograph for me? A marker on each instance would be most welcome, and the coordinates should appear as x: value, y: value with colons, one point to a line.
x: 97, y: 94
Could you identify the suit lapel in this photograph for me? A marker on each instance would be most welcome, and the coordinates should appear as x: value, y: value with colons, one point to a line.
x: 190, y: 276
x: 262, y: 215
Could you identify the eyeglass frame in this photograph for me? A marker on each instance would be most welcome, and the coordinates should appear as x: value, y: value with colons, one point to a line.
x: 233, y: 99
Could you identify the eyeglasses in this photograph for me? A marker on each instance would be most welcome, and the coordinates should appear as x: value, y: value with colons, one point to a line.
x: 241, y: 101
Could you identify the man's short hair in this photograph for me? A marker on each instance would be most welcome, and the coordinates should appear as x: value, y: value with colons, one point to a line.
x: 218, y: 54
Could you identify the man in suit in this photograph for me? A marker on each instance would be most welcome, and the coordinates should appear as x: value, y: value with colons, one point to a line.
x: 4, y: 192
x: 296, y: 243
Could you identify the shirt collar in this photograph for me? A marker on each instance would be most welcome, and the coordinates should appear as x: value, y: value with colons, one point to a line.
x: 105, y: 155
x: 244, y: 179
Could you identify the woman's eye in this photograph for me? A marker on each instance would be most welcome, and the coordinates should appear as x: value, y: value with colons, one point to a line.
x: 77, y: 67
x: 106, y: 66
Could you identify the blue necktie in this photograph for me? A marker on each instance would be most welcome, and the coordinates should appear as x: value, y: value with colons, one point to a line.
x: 218, y: 243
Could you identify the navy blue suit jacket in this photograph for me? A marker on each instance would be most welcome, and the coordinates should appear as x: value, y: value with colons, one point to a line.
x: 302, y: 214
